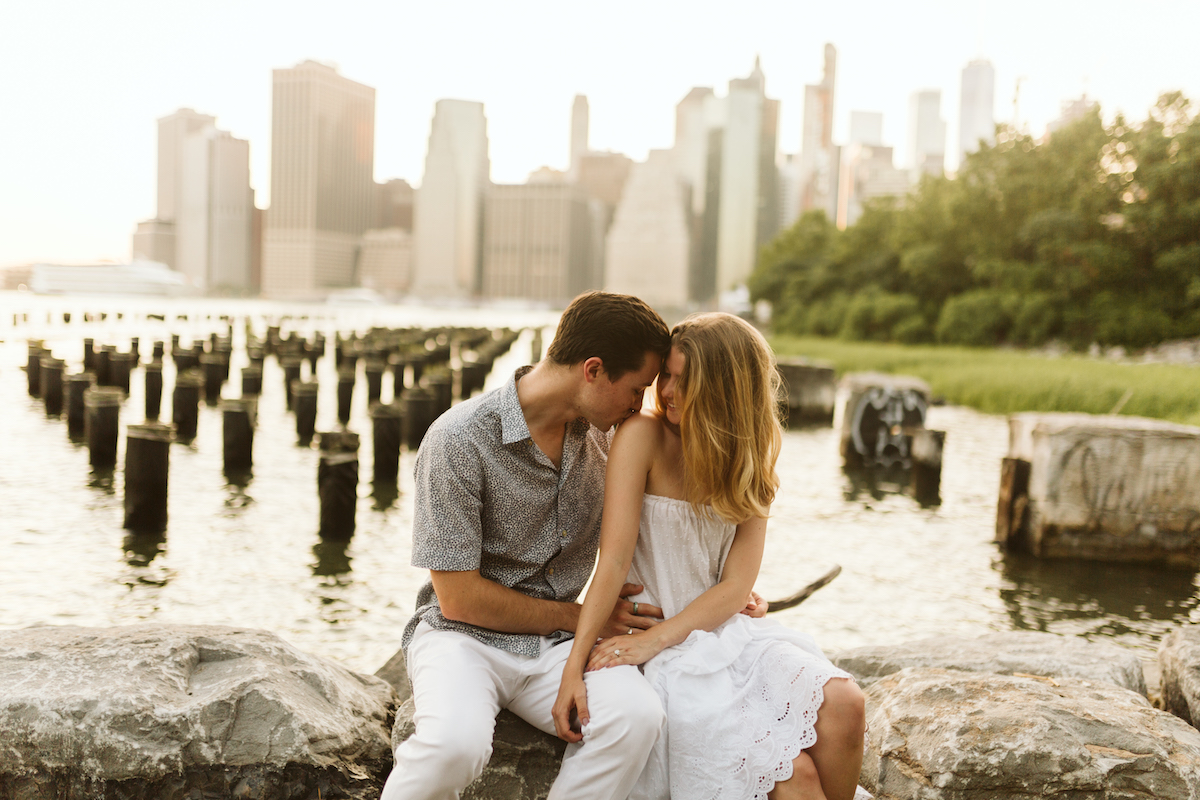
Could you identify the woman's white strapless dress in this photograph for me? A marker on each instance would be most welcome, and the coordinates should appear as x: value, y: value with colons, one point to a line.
x: 741, y: 701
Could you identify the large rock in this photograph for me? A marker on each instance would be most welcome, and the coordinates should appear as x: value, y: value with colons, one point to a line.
x: 165, y: 712
x: 1015, y: 652
x: 973, y: 736
x: 1111, y: 488
x: 810, y: 390
x: 1179, y: 670
x: 524, y: 762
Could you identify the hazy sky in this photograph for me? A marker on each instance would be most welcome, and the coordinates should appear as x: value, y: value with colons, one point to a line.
x: 82, y: 82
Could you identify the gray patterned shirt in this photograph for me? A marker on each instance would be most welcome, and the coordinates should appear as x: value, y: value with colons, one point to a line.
x: 487, y: 498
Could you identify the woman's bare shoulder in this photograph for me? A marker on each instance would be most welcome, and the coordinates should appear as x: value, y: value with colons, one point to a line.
x: 643, y: 423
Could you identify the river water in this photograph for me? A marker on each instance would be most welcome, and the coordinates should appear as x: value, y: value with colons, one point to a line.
x: 249, y: 555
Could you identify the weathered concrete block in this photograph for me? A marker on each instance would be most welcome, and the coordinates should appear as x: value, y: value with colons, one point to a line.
x: 1108, y: 487
x: 1015, y: 652
x: 948, y: 735
x: 1179, y: 671
x: 810, y: 390
x: 876, y: 414
x: 162, y: 711
x: 524, y: 760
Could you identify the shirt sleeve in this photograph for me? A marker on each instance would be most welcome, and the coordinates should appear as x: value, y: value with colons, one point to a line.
x: 447, y: 521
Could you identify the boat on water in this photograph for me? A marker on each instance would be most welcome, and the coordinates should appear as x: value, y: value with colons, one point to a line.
x: 139, y: 278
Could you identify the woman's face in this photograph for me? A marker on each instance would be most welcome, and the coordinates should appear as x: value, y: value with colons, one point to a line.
x: 668, y: 381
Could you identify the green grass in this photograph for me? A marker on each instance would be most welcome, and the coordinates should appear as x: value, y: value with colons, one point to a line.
x: 1006, y: 381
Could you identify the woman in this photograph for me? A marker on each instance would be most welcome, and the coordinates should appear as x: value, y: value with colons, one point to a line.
x: 754, y: 710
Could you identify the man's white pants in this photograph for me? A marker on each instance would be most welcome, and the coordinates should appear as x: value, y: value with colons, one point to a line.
x: 460, y: 684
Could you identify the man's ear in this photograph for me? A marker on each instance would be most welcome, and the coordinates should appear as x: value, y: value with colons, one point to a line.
x: 593, y: 368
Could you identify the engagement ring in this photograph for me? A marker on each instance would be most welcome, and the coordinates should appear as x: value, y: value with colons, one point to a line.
x: 630, y: 631
x: 616, y: 652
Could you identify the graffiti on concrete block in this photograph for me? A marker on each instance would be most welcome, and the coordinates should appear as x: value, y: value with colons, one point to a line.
x: 1123, y: 490
x: 879, y: 423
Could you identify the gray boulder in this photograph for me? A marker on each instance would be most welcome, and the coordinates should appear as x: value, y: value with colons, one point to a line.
x: 175, y: 711
x: 955, y: 735
x: 1015, y: 652
x: 1179, y: 668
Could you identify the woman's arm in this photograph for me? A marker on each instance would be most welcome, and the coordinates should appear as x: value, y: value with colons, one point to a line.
x: 706, y: 612
x: 629, y: 462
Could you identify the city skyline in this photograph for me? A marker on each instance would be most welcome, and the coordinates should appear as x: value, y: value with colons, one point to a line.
x: 72, y: 193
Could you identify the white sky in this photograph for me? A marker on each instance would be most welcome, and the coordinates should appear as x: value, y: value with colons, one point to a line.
x: 82, y: 82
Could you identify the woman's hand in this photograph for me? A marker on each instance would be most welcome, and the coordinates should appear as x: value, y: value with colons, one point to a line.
x: 570, y: 710
x: 631, y: 648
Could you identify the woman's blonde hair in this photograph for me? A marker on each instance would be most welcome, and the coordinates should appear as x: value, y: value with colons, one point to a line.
x: 728, y: 395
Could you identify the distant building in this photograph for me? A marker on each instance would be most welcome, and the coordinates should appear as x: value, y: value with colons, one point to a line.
x: 819, y: 156
x: 385, y: 260
x: 976, y: 113
x: 537, y: 242
x: 602, y: 176
x: 579, y: 134
x: 926, y: 134
x: 866, y: 172
x: 394, y: 205
x: 1071, y: 111
x: 748, y: 216
x: 322, y: 184
x: 449, y: 203
x: 694, y: 118
x: 648, y: 244
x: 205, y: 226
x: 866, y: 127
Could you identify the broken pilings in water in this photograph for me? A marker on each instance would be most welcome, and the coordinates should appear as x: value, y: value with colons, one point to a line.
x: 237, y: 416
x: 386, y: 430
x: 33, y: 367
x: 337, y: 484
x: 185, y: 404
x: 153, y: 376
x: 51, y: 379
x: 1101, y: 487
x: 77, y: 386
x: 103, y: 410
x: 147, y: 463
x: 305, y: 400
x: 810, y: 391
x: 417, y: 414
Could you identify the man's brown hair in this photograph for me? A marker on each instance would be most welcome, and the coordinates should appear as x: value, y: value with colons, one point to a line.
x: 619, y: 329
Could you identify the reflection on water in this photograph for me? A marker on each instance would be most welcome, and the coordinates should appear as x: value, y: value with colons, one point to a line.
x: 239, y: 549
x: 1094, y: 599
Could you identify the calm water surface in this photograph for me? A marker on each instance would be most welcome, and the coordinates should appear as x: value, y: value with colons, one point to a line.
x: 249, y: 555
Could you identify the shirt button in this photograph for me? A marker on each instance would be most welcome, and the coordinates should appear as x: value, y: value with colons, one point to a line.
x: 564, y: 533
x: 550, y: 571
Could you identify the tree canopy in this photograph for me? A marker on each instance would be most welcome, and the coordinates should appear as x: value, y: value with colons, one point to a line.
x: 1090, y: 235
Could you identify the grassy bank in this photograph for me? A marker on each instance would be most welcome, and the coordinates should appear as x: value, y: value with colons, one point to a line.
x: 1004, y: 381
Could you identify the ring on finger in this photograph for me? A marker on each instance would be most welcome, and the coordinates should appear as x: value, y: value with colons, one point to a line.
x: 635, y: 607
x: 616, y: 652
x: 630, y: 631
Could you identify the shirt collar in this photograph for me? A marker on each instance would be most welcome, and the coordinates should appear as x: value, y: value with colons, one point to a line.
x: 513, y: 426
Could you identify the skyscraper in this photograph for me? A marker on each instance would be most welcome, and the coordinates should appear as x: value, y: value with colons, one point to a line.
x: 976, y: 114
x: 449, y: 204
x: 322, y: 180
x: 579, y: 134
x: 866, y: 127
x: 204, y: 226
x: 926, y: 134
x: 818, y: 155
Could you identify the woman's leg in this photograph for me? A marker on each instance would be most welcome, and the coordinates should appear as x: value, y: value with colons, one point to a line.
x: 838, y: 753
x: 805, y: 783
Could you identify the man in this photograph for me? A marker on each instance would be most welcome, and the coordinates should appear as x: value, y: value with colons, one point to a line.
x: 509, y: 487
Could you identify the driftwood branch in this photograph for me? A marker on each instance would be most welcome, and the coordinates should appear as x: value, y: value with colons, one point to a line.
x: 802, y: 595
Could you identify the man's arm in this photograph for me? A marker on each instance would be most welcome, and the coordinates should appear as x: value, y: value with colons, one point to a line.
x: 471, y: 598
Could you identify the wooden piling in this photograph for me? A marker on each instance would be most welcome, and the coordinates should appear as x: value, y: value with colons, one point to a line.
x: 440, y: 384
x: 291, y: 374
x: 119, y: 367
x: 214, y: 375
x: 251, y: 381
x: 386, y: 429
x: 185, y: 404
x: 399, y: 366
x: 89, y: 355
x: 103, y: 410
x: 417, y: 414
x: 345, y: 390
x: 472, y: 375
x: 337, y: 486
x: 238, y: 433
x: 1014, y: 500
x: 417, y: 359
x: 305, y: 393
x: 374, y: 371
x: 154, y: 387
x: 33, y: 367
x: 77, y: 385
x: 51, y: 379
x: 927, y: 447
x: 147, y: 465
x: 103, y: 370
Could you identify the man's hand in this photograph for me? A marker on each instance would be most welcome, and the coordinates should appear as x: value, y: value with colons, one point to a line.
x: 755, y: 606
x: 627, y: 615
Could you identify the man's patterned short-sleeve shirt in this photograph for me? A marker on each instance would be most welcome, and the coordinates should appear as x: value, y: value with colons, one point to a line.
x: 487, y: 498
